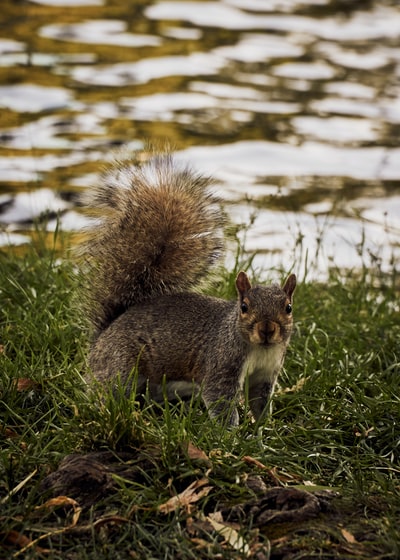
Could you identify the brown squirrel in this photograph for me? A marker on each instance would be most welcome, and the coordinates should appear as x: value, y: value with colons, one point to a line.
x: 160, y: 231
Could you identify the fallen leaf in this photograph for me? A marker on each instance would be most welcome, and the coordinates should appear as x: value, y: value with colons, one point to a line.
x: 278, y: 478
x: 98, y: 524
x: 54, y: 502
x: 12, y: 434
x: 193, y: 493
x: 26, y: 384
x: 230, y: 535
x: 348, y: 536
x: 281, y: 540
x: 200, y: 543
x: 296, y: 387
x: 363, y: 432
x: 16, y: 539
x: 59, y: 501
x: 196, y: 454
x: 216, y: 516
x: 284, y: 477
x: 8, y: 433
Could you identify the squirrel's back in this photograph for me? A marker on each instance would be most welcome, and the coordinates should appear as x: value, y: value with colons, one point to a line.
x: 158, y: 231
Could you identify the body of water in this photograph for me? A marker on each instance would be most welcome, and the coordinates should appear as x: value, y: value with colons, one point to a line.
x: 293, y: 106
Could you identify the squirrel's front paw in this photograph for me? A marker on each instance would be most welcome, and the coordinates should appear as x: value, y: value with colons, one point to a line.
x: 226, y: 415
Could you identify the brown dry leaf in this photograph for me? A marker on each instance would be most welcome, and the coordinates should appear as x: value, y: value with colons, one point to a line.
x: 285, y: 477
x: 363, y: 432
x: 54, y: 502
x: 98, y: 524
x: 9, y: 433
x: 193, y: 493
x: 196, y: 454
x: 348, y: 536
x: 230, y: 535
x: 271, y: 472
x: 26, y: 384
x: 251, y: 461
x: 200, y: 543
x: 216, y: 516
x: 296, y: 387
x: 278, y: 478
x: 59, y: 501
x: 280, y: 541
x: 12, y: 434
x: 16, y: 539
x: 116, y: 519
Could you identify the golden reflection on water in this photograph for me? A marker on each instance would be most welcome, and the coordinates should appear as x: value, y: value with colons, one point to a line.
x: 295, y: 108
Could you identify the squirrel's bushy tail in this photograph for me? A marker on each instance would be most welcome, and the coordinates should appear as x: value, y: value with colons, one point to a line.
x: 158, y: 231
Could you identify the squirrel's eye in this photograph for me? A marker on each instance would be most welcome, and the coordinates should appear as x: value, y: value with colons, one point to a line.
x: 288, y: 308
x: 244, y: 307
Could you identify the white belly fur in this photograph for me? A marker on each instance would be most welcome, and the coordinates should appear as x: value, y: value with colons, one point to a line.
x: 262, y: 364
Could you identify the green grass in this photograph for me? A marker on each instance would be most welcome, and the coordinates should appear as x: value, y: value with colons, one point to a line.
x: 335, y: 425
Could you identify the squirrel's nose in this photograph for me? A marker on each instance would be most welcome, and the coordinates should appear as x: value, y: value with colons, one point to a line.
x: 268, y: 332
x: 272, y: 332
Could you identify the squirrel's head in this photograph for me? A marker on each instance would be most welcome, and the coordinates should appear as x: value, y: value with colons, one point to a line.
x: 266, y: 316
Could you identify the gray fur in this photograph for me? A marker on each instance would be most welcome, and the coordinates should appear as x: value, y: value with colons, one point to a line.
x: 160, y: 234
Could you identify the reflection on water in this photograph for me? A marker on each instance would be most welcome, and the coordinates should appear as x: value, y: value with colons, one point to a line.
x: 293, y: 105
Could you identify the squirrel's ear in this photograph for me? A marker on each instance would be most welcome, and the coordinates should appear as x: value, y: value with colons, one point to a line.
x: 242, y: 283
x: 289, y: 286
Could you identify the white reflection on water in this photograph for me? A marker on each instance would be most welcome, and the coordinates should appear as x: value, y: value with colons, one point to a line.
x: 255, y: 47
x: 273, y: 5
x: 261, y: 158
x: 170, y: 106
x: 371, y: 59
x: 336, y: 129
x: 33, y: 98
x: 105, y: 32
x: 9, y: 45
x: 326, y: 241
x: 350, y: 90
x: 384, y: 109
x: 26, y: 207
x: 69, y: 3
x: 8, y: 238
x: 28, y: 169
x: 303, y: 70
x: 47, y: 133
x: 381, y: 21
x: 149, y: 69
